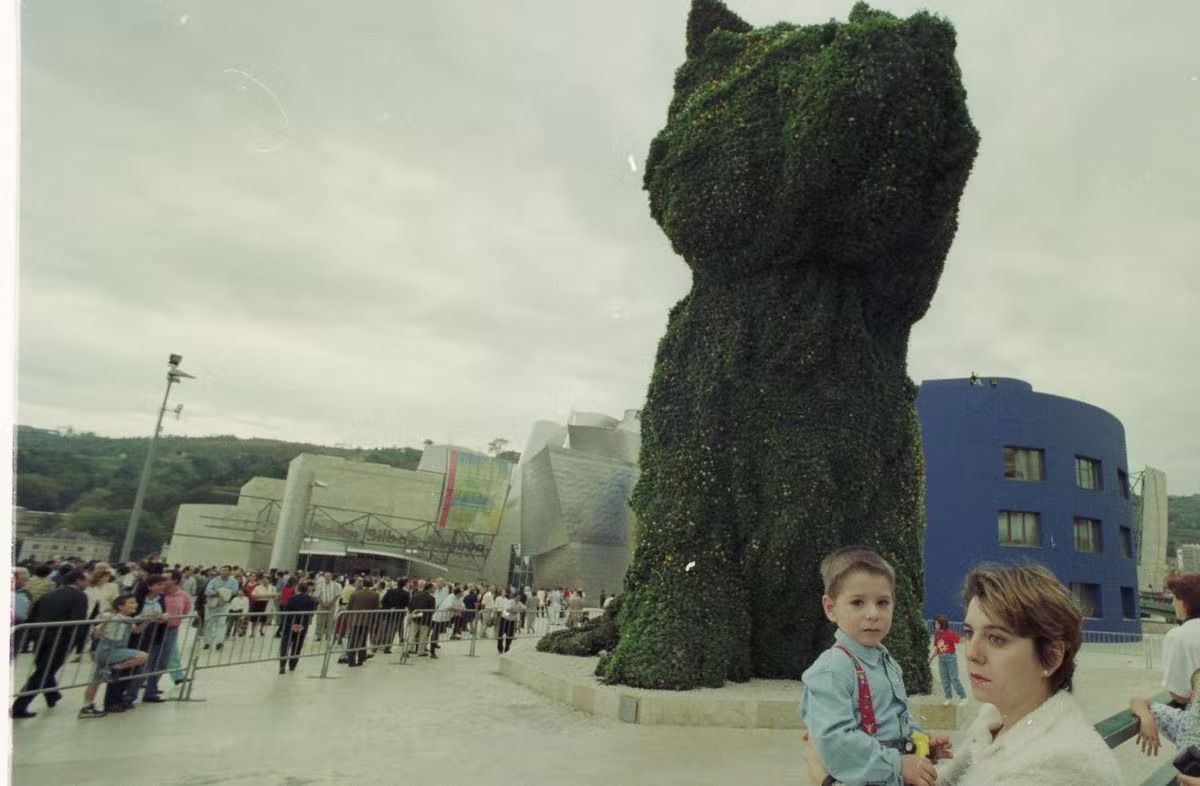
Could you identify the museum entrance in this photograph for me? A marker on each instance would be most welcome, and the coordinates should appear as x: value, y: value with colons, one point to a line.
x: 372, y: 565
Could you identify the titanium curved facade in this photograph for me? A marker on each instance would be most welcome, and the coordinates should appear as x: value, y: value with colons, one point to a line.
x: 573, y: 501
x: 1013, y: 475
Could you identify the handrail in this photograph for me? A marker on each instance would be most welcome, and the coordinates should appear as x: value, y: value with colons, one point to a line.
x: 1122, y: 727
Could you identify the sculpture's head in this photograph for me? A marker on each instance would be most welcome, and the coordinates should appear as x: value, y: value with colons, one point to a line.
x: 841, y: 145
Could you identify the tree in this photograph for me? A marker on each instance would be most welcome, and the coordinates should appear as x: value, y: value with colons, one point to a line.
x: 497, y: 445
x: 39, y: 492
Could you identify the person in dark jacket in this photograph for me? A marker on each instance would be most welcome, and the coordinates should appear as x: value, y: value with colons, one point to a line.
x: 68, y: 603
x: 298, y: 612
x: 363, y: 600
x: 420, y: 614
x: 395, y: 599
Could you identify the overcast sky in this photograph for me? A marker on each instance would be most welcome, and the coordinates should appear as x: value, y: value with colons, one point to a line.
x: 375, y: 222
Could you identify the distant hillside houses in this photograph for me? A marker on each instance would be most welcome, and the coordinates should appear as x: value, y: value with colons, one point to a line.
x: 63, y: 543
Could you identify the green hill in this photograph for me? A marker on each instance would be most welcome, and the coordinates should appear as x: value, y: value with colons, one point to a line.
x: 1183, y: 521
x: 94, y: 479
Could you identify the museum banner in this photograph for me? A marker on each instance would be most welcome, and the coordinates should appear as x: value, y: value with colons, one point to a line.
x: 474, y: 493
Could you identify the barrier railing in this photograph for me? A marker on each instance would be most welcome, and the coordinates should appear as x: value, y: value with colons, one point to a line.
x: 193, y: 643
x: 1124, y: 726
x: 362, y: 633
x: 75, y: 654
x: 229, y: 639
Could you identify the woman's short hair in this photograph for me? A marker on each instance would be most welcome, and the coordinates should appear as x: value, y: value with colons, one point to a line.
x: 1034, y: 604
x: 1186, y: 587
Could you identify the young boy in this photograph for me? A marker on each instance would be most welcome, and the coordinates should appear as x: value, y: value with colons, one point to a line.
x: 112, y: 654
x: 855, y: 705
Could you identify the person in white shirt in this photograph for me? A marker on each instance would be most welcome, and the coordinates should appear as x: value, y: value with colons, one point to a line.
x: 327, y: 593
x: 510, y: 615
x: 488, y: 604
x: 554, y: 606
x: 446, y: 610
x: 1181, y: 645
x: 531, y: 611
x: 441, y: 590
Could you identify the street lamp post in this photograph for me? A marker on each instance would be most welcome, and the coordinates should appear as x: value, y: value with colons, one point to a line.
x: 173, y: 375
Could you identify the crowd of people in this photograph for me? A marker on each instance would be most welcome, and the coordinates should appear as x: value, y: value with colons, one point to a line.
x: 128, y: 618
x: 1021, y: 635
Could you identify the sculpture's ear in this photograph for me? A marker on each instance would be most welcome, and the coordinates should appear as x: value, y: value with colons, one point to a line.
x: 707, y: 16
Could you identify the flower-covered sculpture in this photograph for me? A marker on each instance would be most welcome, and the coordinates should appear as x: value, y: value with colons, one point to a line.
x: 810, y: 176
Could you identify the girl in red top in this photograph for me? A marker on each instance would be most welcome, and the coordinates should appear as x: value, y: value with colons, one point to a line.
x: 945, y: 644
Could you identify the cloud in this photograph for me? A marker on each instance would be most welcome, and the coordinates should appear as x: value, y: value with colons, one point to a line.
x: 446, y: 239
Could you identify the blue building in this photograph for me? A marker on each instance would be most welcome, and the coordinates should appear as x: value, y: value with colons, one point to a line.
x: 1012, y: 475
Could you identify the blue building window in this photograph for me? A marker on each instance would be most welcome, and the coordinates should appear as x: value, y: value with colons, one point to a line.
x: 1126, y: 543
x: 1128, y: 603
x: 1024, y: 464
x: 1123, y: 482
x: 1087, y: 536
x: 1020, y: 528
x: 1087, y: 474
x: 1087, y: 599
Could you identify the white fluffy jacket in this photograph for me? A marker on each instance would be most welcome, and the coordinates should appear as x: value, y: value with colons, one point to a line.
x: 1053, y: 745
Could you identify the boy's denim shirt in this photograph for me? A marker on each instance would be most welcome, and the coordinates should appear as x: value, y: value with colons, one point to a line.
x: 829, y: 710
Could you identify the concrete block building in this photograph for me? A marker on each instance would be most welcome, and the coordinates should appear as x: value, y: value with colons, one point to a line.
x: 1015, y: 475
x: 64, y: 543
x: 444, y: 518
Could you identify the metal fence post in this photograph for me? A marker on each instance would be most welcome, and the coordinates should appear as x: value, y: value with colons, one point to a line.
x: 329, y: 643
x: 193, y: 659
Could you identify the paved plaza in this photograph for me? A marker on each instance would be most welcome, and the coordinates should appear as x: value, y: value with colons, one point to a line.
x: 453, y: 721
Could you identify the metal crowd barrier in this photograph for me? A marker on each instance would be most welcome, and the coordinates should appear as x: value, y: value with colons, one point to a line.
x: 363, y: 633
x: 62, y: 655
x: 1124, y: 726
x: 223, y: 639
x: 228, y: 639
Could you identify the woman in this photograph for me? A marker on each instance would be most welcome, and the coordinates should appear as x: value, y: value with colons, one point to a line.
x: 1181, y: 676
x: 1181, y: 646
x: 263, y: 593
x: 1022, y: 633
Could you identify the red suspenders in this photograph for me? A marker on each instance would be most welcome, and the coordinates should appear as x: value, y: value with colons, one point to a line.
x: 865, y: 707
